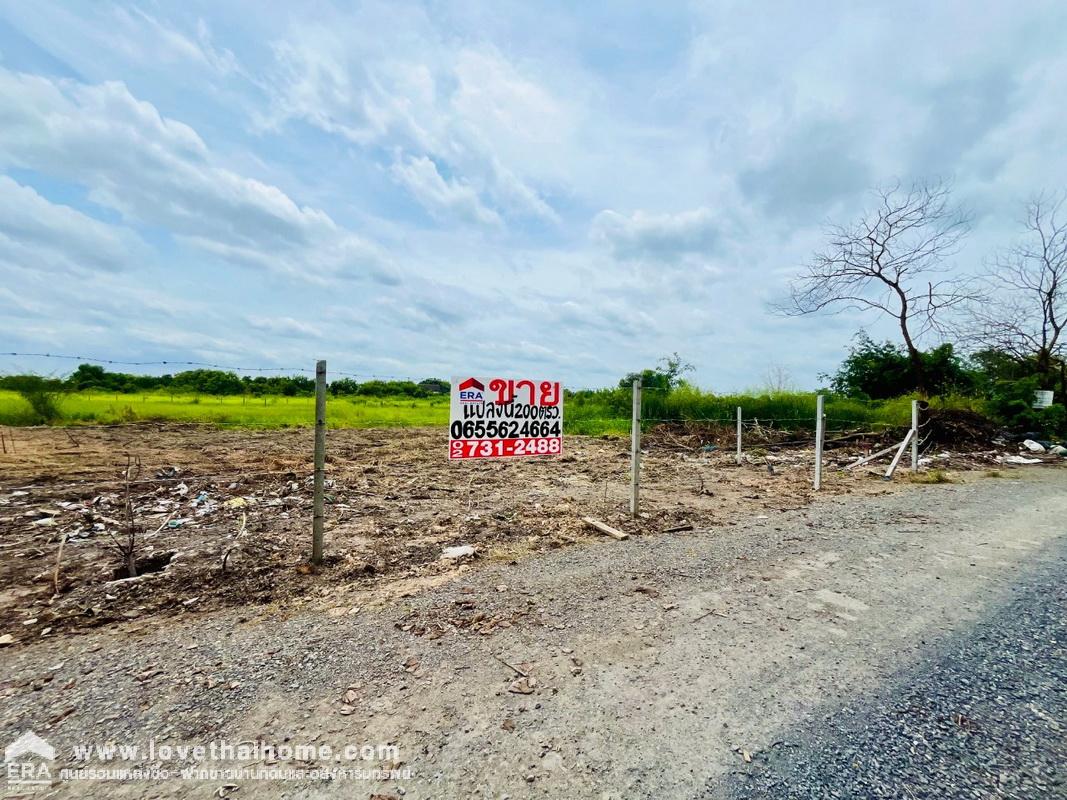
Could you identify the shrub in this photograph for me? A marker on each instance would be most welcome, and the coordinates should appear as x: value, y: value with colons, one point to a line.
x: 1012, y: 404
x: 881, y: 371
x: 43, y: 395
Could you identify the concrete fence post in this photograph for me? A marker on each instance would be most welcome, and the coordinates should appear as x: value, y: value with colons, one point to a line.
x: 914, y: 435
x: 820, y: 432
x: 739, y: 435
x: 319, y: 513
x: 635, y: 451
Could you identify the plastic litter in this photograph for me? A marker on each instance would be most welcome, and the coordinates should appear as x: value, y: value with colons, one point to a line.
x: 1034, y: 447
x: 460, y: 551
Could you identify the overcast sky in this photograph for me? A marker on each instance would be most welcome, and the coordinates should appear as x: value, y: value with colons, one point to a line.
x: 566, y: 190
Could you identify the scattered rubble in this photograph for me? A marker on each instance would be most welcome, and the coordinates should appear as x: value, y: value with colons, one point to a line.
x: 223, y: 516
x: 1019, y: 460
x: 523, y: 685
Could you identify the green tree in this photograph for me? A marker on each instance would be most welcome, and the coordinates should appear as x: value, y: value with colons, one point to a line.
x: 1012, y: 403
x: 88, y: 376
x: 435, y: 386
x: 209, y: 381
x: 343, y: 386
x: 881, y: 370
x: 666, y: 376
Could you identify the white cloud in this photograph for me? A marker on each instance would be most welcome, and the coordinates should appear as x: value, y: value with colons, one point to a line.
x: 149, y: 39
x: 440, y: 197
x: 36, y: 234
x: 658, y: 237
x: 284, y: 326
x: 18, y: 305
x: 466, y: 108
x: 604, y: 314
x: 157, y: 171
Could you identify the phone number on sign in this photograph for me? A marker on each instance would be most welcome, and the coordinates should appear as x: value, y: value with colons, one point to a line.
x: 502, y: 448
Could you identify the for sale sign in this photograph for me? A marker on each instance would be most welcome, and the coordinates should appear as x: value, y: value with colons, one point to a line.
x: 505, y: 418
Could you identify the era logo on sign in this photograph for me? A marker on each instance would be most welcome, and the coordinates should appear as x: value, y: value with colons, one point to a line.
x: 471, y: 391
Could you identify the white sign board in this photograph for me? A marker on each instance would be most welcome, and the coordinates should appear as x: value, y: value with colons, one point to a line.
x: 505, y: 418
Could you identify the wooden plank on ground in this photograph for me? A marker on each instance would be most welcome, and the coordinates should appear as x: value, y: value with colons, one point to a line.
x: 615, y: 533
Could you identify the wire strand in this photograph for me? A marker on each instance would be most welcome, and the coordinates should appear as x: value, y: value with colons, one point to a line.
x: 203, y: 364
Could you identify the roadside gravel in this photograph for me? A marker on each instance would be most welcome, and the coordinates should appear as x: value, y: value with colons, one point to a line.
x: 984, y: 716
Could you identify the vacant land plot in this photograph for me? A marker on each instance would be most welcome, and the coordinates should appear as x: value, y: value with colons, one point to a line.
x: 224, y: 516
x: 683, y: 664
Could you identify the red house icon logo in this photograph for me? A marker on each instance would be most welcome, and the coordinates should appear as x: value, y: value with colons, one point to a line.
x: 472, y: 390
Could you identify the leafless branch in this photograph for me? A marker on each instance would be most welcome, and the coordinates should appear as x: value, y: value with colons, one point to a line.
x: 1027, y: 311
x: 892, y: 262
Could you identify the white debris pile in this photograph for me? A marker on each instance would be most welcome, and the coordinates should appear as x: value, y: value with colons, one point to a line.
x: 1034, y: 451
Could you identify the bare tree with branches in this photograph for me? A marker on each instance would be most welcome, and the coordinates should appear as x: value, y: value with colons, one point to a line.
x: 891, y: 261
x: 1026, y: 314
x: 777, y: 380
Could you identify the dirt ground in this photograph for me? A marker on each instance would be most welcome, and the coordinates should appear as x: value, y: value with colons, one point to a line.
x: 664, y: 666
x: 224, y: 516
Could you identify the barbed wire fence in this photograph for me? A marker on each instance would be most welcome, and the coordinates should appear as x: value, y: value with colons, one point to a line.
x: 191, y: 481
x: 222, y: 492
x: 648, y: 409
x: 819, y: 421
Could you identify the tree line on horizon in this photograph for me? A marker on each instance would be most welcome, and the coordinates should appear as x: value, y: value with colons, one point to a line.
x: 92, y: 377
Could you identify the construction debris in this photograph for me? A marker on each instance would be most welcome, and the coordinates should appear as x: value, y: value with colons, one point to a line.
x: 615, y: 533
x: 1020, y: 460
x: 397, y: 511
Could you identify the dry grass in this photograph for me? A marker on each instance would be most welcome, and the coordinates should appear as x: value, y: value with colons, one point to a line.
x: 933, y: 476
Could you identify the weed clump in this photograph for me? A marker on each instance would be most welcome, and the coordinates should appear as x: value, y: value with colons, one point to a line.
x: 44, y: 397
x: 933, y: 476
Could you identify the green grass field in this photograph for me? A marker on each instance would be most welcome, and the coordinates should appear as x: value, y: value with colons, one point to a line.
x: 591, y: 413
x: 252, y: 412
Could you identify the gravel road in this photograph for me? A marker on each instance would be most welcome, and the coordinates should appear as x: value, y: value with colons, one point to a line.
x: 761, y: 658
x: 983, y: 715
